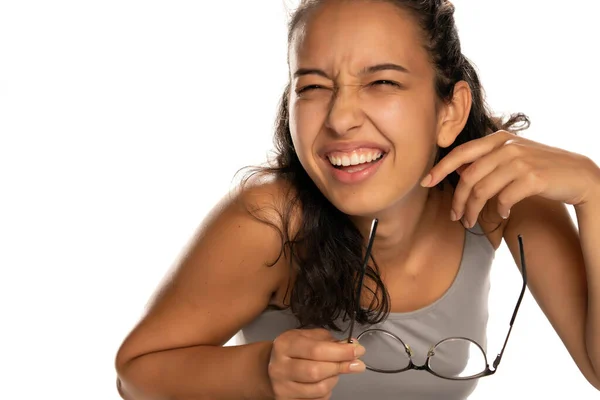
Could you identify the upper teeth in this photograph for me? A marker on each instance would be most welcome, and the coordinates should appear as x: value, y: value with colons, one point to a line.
x: 354, y: 158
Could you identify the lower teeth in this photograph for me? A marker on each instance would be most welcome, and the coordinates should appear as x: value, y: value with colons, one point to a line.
x: 358, y: 165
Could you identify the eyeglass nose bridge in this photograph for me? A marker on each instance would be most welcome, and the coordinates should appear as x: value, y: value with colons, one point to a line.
x: 411, y: 364
x: 425, y: 365
x: 407, y: 349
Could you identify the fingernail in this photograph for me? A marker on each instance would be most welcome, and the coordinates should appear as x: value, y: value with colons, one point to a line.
x: 357, y: 366
x: 359, y: 351
x: 453, y: 216
x: 426, y: 181
x: 506, y: 215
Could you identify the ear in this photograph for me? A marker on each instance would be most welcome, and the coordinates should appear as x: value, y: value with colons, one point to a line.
x: 454, y: 114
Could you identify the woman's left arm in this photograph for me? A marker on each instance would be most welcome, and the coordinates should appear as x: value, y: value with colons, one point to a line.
x: 531, y: 184
x: 563, y: 271
x: 588, y: 217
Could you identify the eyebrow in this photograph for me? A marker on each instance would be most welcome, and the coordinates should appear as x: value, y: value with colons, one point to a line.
x: 309, y: 71
x: 384, y: 67
x: 365, y: 71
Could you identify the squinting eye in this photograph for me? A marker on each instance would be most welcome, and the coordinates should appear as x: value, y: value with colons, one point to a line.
x: 384, y: 82
x: 309, y: 87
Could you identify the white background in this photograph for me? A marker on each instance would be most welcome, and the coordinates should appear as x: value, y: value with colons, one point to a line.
x: 123, y: 122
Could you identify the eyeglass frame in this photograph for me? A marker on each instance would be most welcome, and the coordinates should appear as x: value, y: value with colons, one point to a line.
x: 425, y: 367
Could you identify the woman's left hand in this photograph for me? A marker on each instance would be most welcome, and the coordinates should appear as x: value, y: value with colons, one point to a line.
x: 513, y: 168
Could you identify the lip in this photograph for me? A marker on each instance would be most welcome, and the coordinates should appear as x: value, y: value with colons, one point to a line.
x: 350, y: 146
x: 345, y: 177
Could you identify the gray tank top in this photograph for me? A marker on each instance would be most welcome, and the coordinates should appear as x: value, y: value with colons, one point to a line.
x: 461, y: 311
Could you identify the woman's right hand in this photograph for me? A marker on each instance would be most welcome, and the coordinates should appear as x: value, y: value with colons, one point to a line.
x: 305, y: 363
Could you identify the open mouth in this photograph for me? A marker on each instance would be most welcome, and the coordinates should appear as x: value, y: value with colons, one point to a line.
x: 355, y: 161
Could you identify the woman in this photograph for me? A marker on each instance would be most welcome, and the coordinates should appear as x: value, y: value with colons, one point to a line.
x: 383, y: 118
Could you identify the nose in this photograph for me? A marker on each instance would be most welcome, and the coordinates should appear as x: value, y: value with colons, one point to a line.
x: 345, y: 113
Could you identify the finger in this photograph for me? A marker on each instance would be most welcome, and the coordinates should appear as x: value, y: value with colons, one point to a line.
x: 353, y: 340
x: 308, y: 371
x: 472, y: 176
x: 485, y: 189
x: 317, y: 390
x: 308, y: 348
x: 518, y: 190
x: 469, y: 178
x: 463, y: 154
x: 460, y: 169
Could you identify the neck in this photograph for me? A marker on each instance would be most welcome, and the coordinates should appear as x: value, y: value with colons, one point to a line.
x: 404, y: 225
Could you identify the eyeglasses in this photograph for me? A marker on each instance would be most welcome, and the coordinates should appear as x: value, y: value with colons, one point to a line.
x: 454, y: 358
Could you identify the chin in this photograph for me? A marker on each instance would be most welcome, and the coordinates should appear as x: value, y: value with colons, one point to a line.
x: 360, y: 204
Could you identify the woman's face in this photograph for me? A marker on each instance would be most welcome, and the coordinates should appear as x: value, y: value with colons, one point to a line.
x: 363, y: 113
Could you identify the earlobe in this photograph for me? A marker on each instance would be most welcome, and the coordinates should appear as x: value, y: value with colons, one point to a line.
x: 455, y: 114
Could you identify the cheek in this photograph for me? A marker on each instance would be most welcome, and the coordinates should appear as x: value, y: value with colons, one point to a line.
x: 306, y: 120
x: 406, y: 121
x: 409, y: 124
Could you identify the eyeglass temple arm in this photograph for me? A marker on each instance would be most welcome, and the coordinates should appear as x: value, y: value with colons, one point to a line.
x: 362, y: 276
x: 512, y: 320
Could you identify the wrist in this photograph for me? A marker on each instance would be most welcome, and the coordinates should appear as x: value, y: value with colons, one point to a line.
x: 592, y: 197
x: 267, y: 392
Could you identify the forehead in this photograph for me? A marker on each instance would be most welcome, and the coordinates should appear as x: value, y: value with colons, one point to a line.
x: 358, y: 33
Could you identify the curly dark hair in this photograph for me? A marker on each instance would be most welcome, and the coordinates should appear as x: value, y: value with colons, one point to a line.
x: 325, y: 248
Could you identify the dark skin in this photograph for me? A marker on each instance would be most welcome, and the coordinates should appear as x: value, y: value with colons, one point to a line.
x: 176, y: 350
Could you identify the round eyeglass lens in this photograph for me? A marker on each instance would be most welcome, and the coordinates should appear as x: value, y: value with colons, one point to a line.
x: 457, y: 358
x: 383, y: 351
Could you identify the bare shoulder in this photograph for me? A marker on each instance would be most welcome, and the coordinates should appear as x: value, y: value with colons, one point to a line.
x: 265, y: 198
x: 226, y: 278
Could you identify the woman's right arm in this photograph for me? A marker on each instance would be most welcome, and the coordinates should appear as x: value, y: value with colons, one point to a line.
x: 224, y: 282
